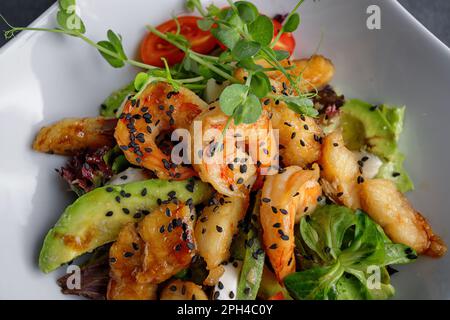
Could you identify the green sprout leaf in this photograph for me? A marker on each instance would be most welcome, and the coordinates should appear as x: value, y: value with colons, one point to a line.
x: 70, y: 21
x: 113, y: 61
x: 232, y: 97
x: 66, y: 4
x: 250, y: 111
x: 228, y: 36
x: 292, y: 23
x: 140, y: 80
x: 261, y: 30
x: 260, y: 85
x: 116, y: 41
x: 205, y: 24
x: 301, y: 105
x: 281, y: 55
x: 245, y: 49
x: 247, y: 11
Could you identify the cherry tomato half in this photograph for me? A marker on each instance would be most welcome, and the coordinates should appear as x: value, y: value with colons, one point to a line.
x: 287, y: 40
x: 154, y: 48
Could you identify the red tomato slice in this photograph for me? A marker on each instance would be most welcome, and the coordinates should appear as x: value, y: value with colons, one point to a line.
x: 278, y: 296
x: 287, y: 40
x: 154, y: 48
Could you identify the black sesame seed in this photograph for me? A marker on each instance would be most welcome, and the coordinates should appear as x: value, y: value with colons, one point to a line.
x: 117, y: 199
x: 396, y: 174
x: 173, y: 288
x: 277, y: 225
x: 231, y: 295
x: 113, y: 260
x: 302, y: 143
x: 137, y: 215
x: 172, y: 194
x: 109, y: 189
x: 220, y: 285
x: 125, y: 210
x: 135, y: 246
x: 161, y: 230
x: 360, y: 179
x: 231, y: 166
x: 109, y: 213
x: 240, y: 181
x: 168, y: 213
x: 293, y: 135
x: 219, y: 228
x: 128, y: 254
x: 247, y: 291
x: 273, y: 246
x: 335, y: 144
x: 283, y: 211
x: 284, y: 237
x: 265, y: 200
x: 274, y: 210
x: 144, y: 192
x: 216, y: 295
x: 340, y: 194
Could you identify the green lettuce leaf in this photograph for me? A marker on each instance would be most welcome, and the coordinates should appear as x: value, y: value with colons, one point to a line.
x: 347, y: 254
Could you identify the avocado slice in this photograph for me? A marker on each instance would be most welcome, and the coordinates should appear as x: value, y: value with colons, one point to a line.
x: 97, y: 217
x: 377, y: 129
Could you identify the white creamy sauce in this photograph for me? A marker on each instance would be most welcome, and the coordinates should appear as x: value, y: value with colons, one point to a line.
x: 228, y: 282
x: 129, y: 175
x: 371, y: 164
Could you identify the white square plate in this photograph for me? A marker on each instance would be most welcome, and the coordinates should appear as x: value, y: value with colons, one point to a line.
x: 45, y: 77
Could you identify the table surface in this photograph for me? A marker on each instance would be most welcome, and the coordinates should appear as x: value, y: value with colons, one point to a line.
x: 434, y: 14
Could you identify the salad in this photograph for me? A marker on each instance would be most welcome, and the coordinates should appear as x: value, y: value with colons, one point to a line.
x: 229, y: 169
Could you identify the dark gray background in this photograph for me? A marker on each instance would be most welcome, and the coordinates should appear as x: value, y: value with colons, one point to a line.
x: 434, y: 14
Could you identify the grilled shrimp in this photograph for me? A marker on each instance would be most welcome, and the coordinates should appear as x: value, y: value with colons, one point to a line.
x: 169, y: 242
x: 182, y: 290
x: 291, y: 193
x: 314, y: 73
x: 300, y: 136
x: 222, y: 159
x: 341, y: 173
x: 214, y: 231
x: 393, y: 212
x: 152, y: 251
x: 158, y: 110
x: 69, y: 136
x: 125, y: 261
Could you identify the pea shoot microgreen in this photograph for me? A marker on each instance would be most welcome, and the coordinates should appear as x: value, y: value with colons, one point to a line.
x: 241, y: 28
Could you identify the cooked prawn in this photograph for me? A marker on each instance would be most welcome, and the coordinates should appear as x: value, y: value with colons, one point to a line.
x: 125, y: 261
x: 69, y: 136
x: 313, y: 73
x: 341, y: 173
x: 169, y: 242
x: 158, y: 110
x: 285, y: 196
x: 392, y: 211
x: 182, y: 290
x: 222, y: 159
x: 300, y: 136
x: 152, y: 251
x: 214, y: 231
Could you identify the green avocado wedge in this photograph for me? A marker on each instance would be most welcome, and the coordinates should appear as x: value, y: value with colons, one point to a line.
x: 97, y: 217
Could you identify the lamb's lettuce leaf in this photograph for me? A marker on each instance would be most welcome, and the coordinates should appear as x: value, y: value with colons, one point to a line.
x: 347, y: 254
